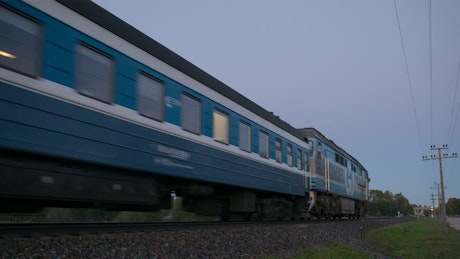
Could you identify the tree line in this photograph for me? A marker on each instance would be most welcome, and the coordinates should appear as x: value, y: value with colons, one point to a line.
x: 389, y: 204
x: 453, y: 207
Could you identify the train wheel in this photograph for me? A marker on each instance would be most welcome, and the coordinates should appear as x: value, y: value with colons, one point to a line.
x: 224, y: 217
x: 225, y: 213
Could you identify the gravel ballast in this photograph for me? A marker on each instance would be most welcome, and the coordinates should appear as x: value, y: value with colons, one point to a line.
x: 278, y: 240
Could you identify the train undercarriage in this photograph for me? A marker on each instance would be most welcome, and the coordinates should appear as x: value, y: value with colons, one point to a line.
x: 235, y: 203
x: 330, y: 206
x: 30, y: 182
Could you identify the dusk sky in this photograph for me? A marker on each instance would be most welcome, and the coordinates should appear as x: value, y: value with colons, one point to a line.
x: 337, y: 66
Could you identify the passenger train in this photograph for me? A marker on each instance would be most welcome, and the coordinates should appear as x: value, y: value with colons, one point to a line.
x: 94, y: 113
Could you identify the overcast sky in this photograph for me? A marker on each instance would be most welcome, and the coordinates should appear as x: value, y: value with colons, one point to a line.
x: 337, y: 66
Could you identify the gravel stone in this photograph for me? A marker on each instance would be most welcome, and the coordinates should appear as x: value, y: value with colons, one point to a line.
x: 277, y: 240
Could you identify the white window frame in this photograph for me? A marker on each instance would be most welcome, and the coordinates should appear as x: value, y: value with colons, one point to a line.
x: 299, y: 159
x: 279, y: 150
x: 150, y: 96
x: 191, y: 118
x: 247, y: 146
x: 22, y: 55
x: 221, y: 126
x: 89, y: 82
x: 290, y: 160
x: 264, y: 138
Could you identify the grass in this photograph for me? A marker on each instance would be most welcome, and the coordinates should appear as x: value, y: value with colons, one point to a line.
x: 419, y: 239
x: 331, y: 251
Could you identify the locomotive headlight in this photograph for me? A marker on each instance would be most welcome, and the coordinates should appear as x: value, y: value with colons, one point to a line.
x: 6, y: 54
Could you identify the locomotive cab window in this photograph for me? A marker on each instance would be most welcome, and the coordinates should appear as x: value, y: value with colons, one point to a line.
x: 20, y: 44
x: 95, y: 73
x: 150, y: 96
x: 244, y: 136
x: 220, y: 126
x: 191, y: 114
x: 263, y: 144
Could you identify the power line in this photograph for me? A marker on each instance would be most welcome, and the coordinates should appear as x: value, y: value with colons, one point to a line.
x: 408, y: 78
x: 453, y: 119
x: 440, y: 158
x: 430, y: 55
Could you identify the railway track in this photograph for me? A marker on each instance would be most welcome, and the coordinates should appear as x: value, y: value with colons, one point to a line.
x: 31, y: 229
x: 56, y: 229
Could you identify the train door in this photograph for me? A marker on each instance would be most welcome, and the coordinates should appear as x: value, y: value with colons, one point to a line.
x: 307, y: 171
x: 327, y: 180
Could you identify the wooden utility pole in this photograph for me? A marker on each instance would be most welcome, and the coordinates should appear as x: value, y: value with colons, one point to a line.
x: 433, y: 209
x: 440, y: 158
x: 436, y: 186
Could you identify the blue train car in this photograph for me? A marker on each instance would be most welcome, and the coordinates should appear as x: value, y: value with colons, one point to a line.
x: 95, y: 113
x: 339, y: 184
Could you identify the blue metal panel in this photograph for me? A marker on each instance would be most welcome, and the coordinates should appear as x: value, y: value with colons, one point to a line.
x: 59, y: 64
x: 35, y: 123
x: 126, y: 92
x: 59, y: 34
x: 40, y: 124
x: 207, y: 119
x: 172, y: 109
x: 320, y: 184
x: 58, y: 75
x: 234, y: 124
x: 338, y: 189
x: 129, y: 68
x: 59, y: 53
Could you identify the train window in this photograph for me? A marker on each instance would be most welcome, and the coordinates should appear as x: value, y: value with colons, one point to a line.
x: 289, y: 154
x: 95, y: 73
x: 319, y: 149
x: 244, y: 132
x: 299, y: 159
x: 191, y: 114
x: 150, y: 95
x: 307, y: 164
x: 20, y: 44
x: 263, y: 144
x: 220, y: 126
x: 279, y: 150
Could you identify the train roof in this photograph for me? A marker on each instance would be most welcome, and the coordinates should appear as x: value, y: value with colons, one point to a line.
x: 314, y: 133
x: 107, y: 20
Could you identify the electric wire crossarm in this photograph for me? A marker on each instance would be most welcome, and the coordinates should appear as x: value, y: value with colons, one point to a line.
x: 440, y: 158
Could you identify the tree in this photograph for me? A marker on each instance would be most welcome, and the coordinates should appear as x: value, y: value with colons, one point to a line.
x: 387, y: 204
x: 453, y: 207
x: 403, y: 205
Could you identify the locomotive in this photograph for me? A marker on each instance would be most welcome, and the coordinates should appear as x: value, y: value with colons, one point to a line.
x: 94, y: 113
x: 339, y: 184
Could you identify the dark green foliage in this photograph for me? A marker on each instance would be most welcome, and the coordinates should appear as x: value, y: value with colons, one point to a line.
x: 387, y: 204
x: 453, y: 207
